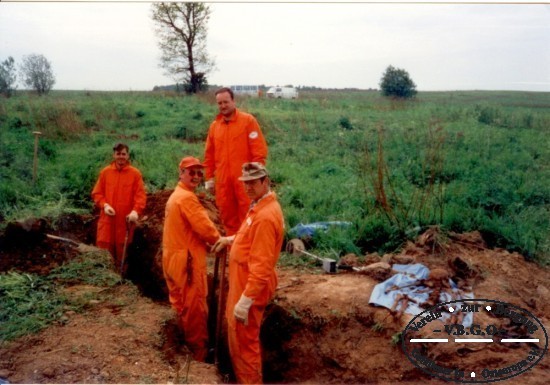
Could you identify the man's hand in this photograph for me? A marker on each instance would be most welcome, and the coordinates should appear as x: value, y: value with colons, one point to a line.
x: 132, y: 217
x: 109, y: 210
x: 209, y: 186
x: 241, y: 309
x: 222, y: 243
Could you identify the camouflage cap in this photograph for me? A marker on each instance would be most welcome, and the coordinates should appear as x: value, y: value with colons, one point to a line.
x: 253, y: 170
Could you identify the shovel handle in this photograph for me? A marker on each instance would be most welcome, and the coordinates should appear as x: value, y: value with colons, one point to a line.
x: 311, y: 255
x: 125, y: 247
x: 221, y: 306
x: 51, y: 236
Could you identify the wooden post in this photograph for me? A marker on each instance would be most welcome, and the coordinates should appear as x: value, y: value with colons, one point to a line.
x: 35, y: 162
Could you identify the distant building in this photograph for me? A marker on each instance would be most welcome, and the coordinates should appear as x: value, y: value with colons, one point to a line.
x: 254, y: 90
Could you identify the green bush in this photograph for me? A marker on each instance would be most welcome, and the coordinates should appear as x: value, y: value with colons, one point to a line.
x: 346, y: 123
x: 397, y: 83
x: 489, y: 115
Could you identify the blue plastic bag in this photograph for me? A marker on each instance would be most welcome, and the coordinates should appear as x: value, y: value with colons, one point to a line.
x: 307, y: 230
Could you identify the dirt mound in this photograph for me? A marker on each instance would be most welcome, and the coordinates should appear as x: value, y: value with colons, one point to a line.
x: 321, y: 329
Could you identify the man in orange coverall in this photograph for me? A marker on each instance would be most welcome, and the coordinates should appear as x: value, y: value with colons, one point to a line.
x: 120, y: 194
x: 233, y: 139
x: 252, y: 277
x: 187, y: 231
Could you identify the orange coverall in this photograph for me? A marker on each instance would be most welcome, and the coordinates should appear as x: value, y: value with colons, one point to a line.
x: 229, y: 145
x: 252, y: 261
x: 124, y: 191
x: 187, y: 229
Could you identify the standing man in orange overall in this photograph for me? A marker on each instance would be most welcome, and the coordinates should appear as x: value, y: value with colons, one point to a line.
x: 187, y: 231
x: 120, y: 194
x: 234, y: 138
x: 252, y: 277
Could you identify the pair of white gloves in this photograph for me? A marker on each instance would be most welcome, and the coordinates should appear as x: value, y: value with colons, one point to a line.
x: 243, y: 305
x: 110, y: 211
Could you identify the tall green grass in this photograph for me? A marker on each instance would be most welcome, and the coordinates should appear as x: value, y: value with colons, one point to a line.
x: 463, y: 160
x: 30, y: 302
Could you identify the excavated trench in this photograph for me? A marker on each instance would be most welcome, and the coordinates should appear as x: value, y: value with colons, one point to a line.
x: 145, y: 271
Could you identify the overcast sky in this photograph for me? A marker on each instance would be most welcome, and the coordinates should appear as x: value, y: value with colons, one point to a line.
x: 112, y: 46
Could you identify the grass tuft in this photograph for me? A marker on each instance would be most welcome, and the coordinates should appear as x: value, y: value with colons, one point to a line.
x: 30, y: 302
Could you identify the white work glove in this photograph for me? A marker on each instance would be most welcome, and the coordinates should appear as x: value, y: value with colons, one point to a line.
x: 241, y: 309
x: 132, y: 217
x: 222, y: 243
x: 109, y: 210
x: 209, y: 186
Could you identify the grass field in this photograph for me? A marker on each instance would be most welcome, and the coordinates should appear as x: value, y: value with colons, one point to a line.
x: 460, y: 160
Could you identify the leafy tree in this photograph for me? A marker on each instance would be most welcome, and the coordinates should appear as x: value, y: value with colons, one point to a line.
x: 181, y: 29
x: 7, y: 77
x: 397, y: 83
x: 36, y: 72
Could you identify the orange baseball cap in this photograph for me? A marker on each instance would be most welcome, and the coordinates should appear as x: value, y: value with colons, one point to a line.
x: 190, y: 161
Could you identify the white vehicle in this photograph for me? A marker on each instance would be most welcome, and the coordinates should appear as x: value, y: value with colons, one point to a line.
x: 246, y: 90
x: 282, y: 93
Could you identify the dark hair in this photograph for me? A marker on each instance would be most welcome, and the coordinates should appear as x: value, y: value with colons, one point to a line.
x: 120, y: 147
x: 225, y: 89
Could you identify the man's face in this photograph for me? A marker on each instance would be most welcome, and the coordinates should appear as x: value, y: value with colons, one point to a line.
x: 121, y: 157
x: 191, y: 176
x: 255, y: 189
x: 226, y: 105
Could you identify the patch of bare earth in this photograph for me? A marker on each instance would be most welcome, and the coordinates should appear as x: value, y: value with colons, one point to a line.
x: 123, y: 337
x: 319, y: 328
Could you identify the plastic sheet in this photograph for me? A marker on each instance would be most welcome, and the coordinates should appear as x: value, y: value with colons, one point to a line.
x: 407, y: 275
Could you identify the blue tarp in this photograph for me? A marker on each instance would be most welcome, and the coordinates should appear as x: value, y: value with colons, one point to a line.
x: 307, y: 230
x: 409, y: 274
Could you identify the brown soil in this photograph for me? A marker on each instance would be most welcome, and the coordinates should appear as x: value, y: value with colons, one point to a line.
x: 318, y: 329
